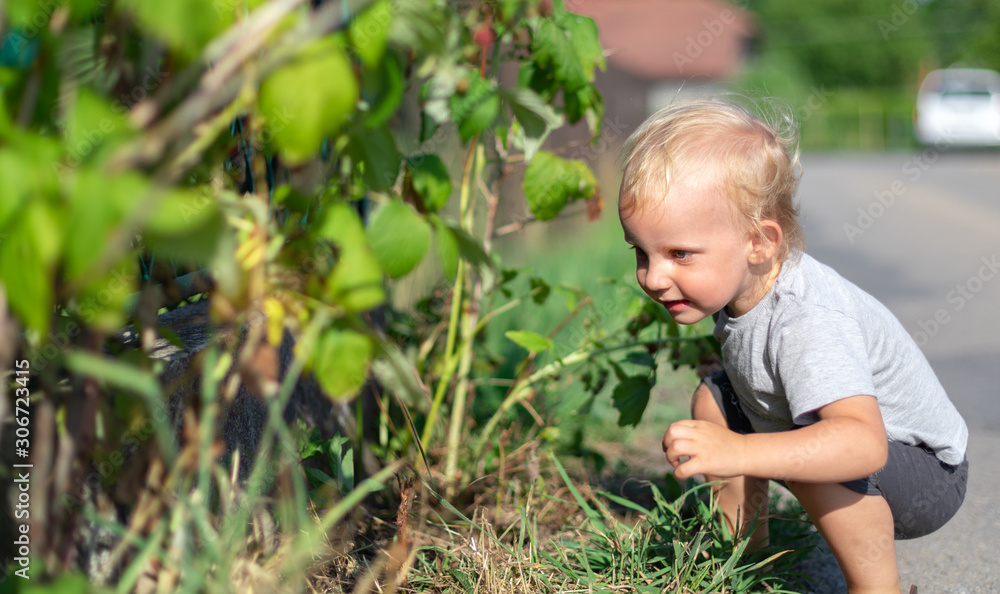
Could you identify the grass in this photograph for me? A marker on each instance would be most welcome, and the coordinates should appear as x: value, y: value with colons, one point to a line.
x: 553, y: 533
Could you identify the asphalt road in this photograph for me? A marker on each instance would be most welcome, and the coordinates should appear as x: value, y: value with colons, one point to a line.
x: 921, y: 232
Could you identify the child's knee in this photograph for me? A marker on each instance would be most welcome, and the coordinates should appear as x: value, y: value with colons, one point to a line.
x: 704, y: 406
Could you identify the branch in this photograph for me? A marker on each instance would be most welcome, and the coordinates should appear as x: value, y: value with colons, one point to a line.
x: 221, y: 85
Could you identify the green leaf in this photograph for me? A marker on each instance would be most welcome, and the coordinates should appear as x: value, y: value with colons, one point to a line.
x: 470, y: 248
x: 186, y: 225
x: 447, y: 247
x: 399, y: 237
x: 94, y: 126
x: 292, y: 199
x: 115, y: 373
x: 532, y: 341
x: 104, y: 299
x: 641, y: 358
x: 536, y: 117
x: 540, y: 289
x: 554, y: 50
x: 300, y: 118
x: 341, y: 362
x: 581, y: 31
x: 84, y: 9
x: 423, y: 27
x: 550, y: 182
x: 342, y: 462
x: 369, y: 32
x: 631, y: 396
x: 573, y: 295
x: 584, y: 102
x: 428, y: 127
x: 26, y: 173
x: 375, y: 154
x: 477, y: 108
x: 185, y: 25
x: 28, y: 254
x: 383, y: 89
x: 356, y: 280
x: 429, y: 177
x: 99, y: 205
x: 15, y: 183
x: 67, y: 583
x: 566, y: 51
x: 318, y: 477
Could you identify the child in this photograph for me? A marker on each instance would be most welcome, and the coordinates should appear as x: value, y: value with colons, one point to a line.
x: 823, y: 389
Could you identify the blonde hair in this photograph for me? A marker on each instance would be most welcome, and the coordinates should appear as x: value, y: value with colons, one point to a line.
x: 754, y: 164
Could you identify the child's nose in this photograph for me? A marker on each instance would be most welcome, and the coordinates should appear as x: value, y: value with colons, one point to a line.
x: 658, y: 278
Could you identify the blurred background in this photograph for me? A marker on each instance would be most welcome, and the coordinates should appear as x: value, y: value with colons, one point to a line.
x: 850, y: 69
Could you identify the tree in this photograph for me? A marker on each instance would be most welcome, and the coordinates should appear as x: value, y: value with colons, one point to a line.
x: 964, y: 32
x: 845, y: 43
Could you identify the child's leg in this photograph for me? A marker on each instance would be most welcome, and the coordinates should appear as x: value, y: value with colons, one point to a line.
x: 858, y: 529
x: 744, y: 497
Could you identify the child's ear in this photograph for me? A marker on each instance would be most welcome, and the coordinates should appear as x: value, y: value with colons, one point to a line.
x: 765, y: 242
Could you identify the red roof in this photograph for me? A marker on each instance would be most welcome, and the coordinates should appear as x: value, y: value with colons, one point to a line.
x: 670, y: 39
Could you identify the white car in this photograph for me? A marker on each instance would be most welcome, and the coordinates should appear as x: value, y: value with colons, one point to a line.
x: 959, y: 106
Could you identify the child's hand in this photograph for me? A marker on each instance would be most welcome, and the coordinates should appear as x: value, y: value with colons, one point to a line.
x: 710, y: 449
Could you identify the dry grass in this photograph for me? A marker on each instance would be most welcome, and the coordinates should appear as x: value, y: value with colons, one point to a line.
x: 546, y: 534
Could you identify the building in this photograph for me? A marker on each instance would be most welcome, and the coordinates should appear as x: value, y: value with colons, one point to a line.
x: 658, y: 50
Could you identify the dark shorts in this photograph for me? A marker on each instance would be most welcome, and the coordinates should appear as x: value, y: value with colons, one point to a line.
x: 922, y: 491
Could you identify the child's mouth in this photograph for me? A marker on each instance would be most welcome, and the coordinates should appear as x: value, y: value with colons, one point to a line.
x: 676, y: 305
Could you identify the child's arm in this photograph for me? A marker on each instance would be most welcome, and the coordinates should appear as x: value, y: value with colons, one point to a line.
x: 847, y: 443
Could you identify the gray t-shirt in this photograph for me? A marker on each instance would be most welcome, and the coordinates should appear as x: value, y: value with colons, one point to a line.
x: 816, y: 338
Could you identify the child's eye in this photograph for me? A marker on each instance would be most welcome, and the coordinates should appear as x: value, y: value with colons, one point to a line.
x: 681, y: 254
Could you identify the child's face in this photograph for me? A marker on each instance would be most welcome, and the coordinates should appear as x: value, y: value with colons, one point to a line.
x: 690, y: 256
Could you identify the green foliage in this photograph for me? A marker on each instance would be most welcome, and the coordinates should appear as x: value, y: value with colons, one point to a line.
x: 399, y: 238
x: 355, y: 282
x: 839, y: 43
x: 963, y: 32
x: 173, y: 24
x: 272, y: 148
x: 565, y: 53
x: 338, y: 470
x: 631, y: 396
x: 341, y: 361
x: 475, y: 106
x: 532, y: 341
x: 551, y: 182
x: 299, y: 121
x: 429, y: 179
x: 368, y: 34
